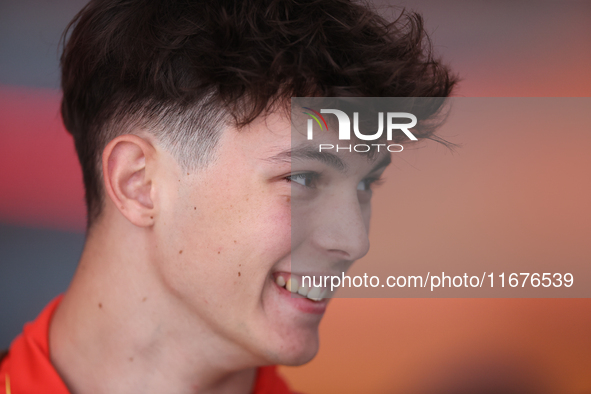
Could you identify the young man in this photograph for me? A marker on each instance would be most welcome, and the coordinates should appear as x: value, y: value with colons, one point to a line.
x: 180, y: 116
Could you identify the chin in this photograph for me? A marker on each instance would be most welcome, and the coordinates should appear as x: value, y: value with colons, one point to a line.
x: 296, y: 350
x: 288, y: 328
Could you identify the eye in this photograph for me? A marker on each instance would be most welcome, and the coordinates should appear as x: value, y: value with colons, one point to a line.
x: 367, y: 183
x: 306, y: 179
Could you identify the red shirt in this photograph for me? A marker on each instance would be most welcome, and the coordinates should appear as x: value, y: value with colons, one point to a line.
x: 27, y: 368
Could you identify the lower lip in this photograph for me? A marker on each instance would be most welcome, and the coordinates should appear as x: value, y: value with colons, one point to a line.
x: 302, y: 303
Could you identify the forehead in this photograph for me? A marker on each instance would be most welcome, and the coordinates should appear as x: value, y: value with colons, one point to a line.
x: 263, y: 137
x: 280, y: 140
x: 276, y: 139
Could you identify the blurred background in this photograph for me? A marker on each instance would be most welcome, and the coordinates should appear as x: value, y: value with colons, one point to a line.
x: 500, y: 49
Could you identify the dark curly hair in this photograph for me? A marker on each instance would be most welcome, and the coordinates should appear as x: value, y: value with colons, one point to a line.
x: 185, y: 69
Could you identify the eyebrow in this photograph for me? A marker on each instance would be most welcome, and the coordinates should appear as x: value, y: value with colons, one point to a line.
x: 330, y: 159
x: 382, y: 163
x: 309, y: 153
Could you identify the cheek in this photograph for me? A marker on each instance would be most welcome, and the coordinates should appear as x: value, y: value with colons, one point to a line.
x: 224, y: 242
x: 260, y: 236
x: 279, y: 229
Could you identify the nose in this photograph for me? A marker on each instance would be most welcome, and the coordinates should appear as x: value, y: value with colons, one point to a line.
x: 341, y: 227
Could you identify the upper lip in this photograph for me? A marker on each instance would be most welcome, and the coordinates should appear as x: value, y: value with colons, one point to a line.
x: 311, y: 274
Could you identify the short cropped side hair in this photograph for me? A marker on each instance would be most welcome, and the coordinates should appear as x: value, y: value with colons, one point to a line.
x: 186, y: 69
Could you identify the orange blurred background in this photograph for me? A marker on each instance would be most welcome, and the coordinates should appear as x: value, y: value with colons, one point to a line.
x: 514, y: 198
x: 500, y: 49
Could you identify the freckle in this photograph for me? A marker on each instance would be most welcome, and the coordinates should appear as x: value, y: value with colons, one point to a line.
x: 180, y: 252
x: 131, y: 359
x: 239, y: 265
x: 195, y: 208
x: 100, y: 305
x: 234, y: 241
x: 145, y: 298
x: 219, y: 252
x: 187, y: 173
x: 238, y: 273
x: 151, y: 217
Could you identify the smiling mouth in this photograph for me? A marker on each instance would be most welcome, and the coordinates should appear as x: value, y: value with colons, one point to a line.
x: 294, y: 284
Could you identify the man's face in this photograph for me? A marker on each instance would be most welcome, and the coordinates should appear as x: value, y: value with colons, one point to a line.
x: 225, y: 236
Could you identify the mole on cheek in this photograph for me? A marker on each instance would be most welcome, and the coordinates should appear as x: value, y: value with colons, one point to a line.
x: 180, y: 252
x: 100, y: 305
x: 238, y: 273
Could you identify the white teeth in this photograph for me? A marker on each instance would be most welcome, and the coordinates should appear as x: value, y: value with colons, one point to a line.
x: 292, y: 285
x: 303, y: 291
x: 315, y: 294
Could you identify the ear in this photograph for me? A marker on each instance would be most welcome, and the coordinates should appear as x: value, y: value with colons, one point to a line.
x: 126, y: 160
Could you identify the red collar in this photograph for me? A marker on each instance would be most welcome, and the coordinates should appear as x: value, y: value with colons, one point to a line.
x: 27, y: 368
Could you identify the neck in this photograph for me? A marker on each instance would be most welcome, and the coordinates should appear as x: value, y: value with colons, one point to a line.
x: 118, y: 329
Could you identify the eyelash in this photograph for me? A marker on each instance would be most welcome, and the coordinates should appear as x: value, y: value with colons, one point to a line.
x: 372, y: 182
x: 313, y: 176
